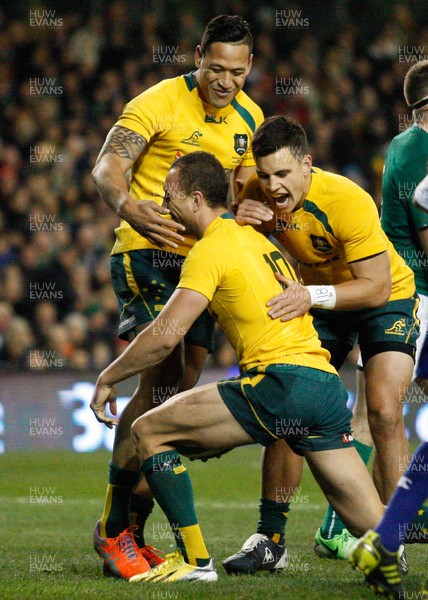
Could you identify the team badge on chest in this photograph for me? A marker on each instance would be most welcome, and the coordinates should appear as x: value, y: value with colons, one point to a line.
x: 241, y: 143
x: 320, y: 243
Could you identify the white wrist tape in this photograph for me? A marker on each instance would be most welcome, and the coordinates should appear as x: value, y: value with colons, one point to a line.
x: 322, y: 296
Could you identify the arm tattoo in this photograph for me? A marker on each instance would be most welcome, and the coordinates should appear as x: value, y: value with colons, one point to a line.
x: 124, y: 142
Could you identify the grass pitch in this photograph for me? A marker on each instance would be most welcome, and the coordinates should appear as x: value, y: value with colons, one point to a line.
x: 50, y: 502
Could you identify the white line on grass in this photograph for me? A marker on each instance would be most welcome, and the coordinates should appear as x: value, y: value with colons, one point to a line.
x: 199, y: 503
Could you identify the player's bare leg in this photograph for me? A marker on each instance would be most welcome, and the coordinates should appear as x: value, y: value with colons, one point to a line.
x: 164, y: 376
x: 194, y: 359
x: 332, y: 539
x: 281, y: 472
x: 348, y: 487
x: 198, y: 418
x: 360, y: 424
x: 388, y: 376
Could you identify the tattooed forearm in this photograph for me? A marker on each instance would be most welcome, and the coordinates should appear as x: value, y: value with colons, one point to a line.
x: 124, y: 142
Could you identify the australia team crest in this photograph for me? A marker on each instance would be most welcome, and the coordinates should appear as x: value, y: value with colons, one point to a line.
x: 320, y: 243
x: 241, y: 143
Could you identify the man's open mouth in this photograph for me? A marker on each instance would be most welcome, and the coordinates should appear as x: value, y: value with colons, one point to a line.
x: 281, y: 201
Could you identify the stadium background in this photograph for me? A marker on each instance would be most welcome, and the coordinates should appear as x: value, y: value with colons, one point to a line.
x: 65, y: 74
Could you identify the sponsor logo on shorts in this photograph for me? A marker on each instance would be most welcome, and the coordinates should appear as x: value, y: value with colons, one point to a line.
x: 347, y: 437
x: 397, y: 328
x: 193, y: 139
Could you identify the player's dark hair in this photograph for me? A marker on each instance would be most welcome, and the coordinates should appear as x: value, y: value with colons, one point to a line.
x: 280, y: 132
x: 416, y: 85
x: 227, y: 29
x: 202, y: 171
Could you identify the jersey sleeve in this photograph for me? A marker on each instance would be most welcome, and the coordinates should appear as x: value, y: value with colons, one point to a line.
x: 358, y: 226
x: 143, y: 114
x: 202, y: 271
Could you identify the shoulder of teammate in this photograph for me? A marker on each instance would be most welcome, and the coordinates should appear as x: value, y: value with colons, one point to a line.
x: 147, y: 113
x: 243, y: 100
x: 347, y: 209
x: 164, y: 88
x: 337, y: 193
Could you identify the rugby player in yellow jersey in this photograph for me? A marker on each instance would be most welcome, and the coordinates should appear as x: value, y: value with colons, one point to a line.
x: 358, y: 288
x: 204, y: 110
x: 286, y: 378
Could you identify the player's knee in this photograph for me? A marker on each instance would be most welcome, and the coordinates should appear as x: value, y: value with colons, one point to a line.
x: 142, y: 431
x: 386, y: 423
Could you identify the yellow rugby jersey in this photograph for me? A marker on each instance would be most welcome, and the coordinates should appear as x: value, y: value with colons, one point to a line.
x: 174, y: 120
x: 234, y: 267
x: 337, y: 224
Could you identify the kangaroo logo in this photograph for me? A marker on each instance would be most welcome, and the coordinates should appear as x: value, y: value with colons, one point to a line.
x: 397, y: 328
x: 193, y: 140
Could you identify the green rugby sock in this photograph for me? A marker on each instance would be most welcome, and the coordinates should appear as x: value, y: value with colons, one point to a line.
x: 333, y: 524
x: 170, y: 483
x: 140, y: 508
x: 273, y: 519
x: 115, y: 517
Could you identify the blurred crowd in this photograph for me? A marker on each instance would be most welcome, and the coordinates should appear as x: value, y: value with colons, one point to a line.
x: 64, y: 79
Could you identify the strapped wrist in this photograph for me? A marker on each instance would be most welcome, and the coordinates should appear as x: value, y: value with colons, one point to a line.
x: 322, y: 296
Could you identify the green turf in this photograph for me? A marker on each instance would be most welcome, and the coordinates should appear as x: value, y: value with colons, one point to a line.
x: 46, y: 548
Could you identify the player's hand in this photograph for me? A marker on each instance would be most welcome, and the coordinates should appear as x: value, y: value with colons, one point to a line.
x: 104, y: 394
x: 293, y: 302
x: 145, y: 217
x: 252, y: 212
